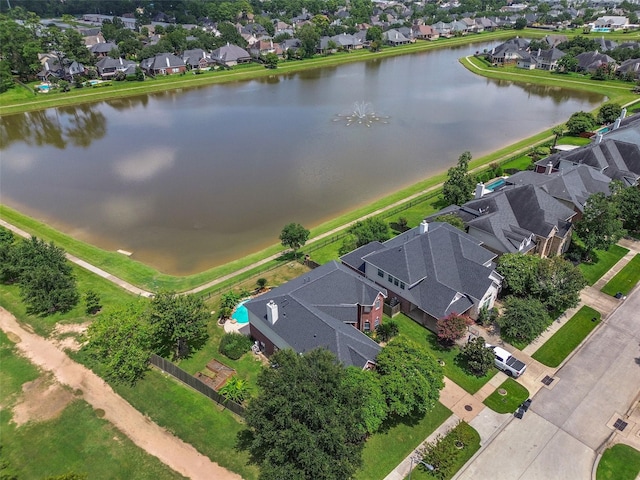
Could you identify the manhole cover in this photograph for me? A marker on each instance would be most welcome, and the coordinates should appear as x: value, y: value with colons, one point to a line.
x: 468, y: 408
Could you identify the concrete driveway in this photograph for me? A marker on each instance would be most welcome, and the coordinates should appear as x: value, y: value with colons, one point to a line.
x: 560, y: 435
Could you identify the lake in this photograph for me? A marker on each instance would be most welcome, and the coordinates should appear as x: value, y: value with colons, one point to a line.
x: 192, y: 178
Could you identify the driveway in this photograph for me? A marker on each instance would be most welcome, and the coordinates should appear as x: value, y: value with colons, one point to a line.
x: 561, y: 434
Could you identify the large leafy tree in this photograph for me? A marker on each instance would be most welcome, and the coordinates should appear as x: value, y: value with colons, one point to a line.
x: 19, y: 46
x: 558, y: 284
x: 452, y: 328
x: 309, y: 39
x: 305, y: 422
x: 519, y: 272
x: 581, y: 122
x: 179, y: 323
x: 609, y: 112
x: 410, y: 377
x: 627, y: 199
x: 523, y: 319
x: 294, y: 236
x: 478, y: 356
x: 459, y: 185
x: 121, y: 341
x: 367, y: 231
x: 600, y: 225
x: 365, y: 385
x: 47, y: 284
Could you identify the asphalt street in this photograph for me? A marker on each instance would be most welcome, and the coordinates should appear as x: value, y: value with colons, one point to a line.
x: 561, y: 434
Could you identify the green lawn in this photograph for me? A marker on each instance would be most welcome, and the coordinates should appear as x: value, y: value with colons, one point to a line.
x: 509, y: 403
x: 387, y: 448
x: 577, y: 141
x: 625, y: 279
x: 75, y: 441
x: 568, y: 337
x: 454, y: 367
x: 519, y: 163
x: 605, y: 260
x: 420, y: 473
x: 619, y: 462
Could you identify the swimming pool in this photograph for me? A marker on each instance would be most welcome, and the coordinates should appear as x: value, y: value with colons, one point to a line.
x: 496, y: 184
x: 241, y: 315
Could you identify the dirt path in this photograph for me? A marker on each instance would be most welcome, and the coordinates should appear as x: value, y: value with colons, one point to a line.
x: 172, y: 451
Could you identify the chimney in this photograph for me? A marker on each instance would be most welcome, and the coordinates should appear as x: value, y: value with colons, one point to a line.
x: 549, y: 168
x: 616, y: 124
x: 272, y: 312
x: 598, y: 138
x: 480, y: 190
x: 623, y: 113
x: 424, y: 227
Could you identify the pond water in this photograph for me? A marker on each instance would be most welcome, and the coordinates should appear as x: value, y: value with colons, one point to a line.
x: 193, y: 178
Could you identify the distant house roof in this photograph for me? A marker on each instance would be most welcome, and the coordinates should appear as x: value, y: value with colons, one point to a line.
x: 193, y: 57
x: 230, y: 53
x: 590, y: 61
x: 444, y: 269
x: 162, y: 61
x: 103, y: 48
x: 315, y: 310
x: 616, y: 153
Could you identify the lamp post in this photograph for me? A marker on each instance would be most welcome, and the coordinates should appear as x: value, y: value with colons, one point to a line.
x: 426, y: 465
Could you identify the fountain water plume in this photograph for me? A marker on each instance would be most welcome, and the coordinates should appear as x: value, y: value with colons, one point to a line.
x: 362, y: 114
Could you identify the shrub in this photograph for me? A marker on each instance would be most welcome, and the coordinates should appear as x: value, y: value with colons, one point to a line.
x: 443, y: 453
x: 234, y: 345
x: 387, y: 330
x: 92, y: 302
x: 524, y: 319
x: 452, y: 328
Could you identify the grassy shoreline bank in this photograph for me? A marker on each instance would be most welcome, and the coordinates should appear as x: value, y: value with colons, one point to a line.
x: 147, y: 277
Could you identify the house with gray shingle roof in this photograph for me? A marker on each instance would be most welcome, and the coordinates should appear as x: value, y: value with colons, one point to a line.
x: 433, y: 270
x: 108, y: 67
x: 591, y: 61
x: 163, y: 64
x: 616, y: 153
x: 328, y: 307
x: 517, y: 219
x: 230, y: 55
x: 572, y: 185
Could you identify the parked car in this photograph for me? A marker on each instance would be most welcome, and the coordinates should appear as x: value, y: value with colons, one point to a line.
x: 507, y: 362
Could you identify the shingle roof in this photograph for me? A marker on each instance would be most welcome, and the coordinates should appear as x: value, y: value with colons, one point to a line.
x: 444, y: 269
x: 314, y: 311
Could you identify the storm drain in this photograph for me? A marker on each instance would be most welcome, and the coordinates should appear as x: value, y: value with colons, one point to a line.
x: 547, y: 380
x: 620, y: 424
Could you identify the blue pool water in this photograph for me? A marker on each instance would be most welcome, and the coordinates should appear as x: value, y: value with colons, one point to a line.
x: 496, y: 184
x: 241, y: 315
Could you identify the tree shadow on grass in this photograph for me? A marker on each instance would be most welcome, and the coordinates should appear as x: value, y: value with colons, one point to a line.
x: 392, y: 421
x: 243, y: 444
x: 289, y: 256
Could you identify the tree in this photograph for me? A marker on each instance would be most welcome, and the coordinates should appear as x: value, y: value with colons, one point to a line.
x: 523, y: 319
x: 261, y: 283
x: 179, y: 323
x: 312, y: 430
x: 6, y: 77
x: 478, y: 356
x: 271, y: 60
x: 374, y: 34
x: 518, y: 271
x: 459, y: 186
x: 581, y: 122
x: 451, y: 219
x: 47, y: 284
x: 627, y: 200
x: 568, y: 63
x: 92, y: 302
x: 294, y: 236
x: 122, y: 342
x: 410, y: 377
x: 365, y: 385
x: 520, y: 24
x: 557, y: 131
x: 369, y: 230
x: 609, y: 112
x: 451, y: 328
x: 600, y: 225
x: 558, y: 284
x: 309, y: 38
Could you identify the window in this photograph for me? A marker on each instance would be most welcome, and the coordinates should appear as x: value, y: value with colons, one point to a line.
x: 395, y: 282
x: 378, y: 304
x: 175, y: 70
x: 366, y: 309
x: 377, y: 322
x: 402, y: 285
x: 367, y: 326
x: 390, y: 278
x: 380, y: 273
